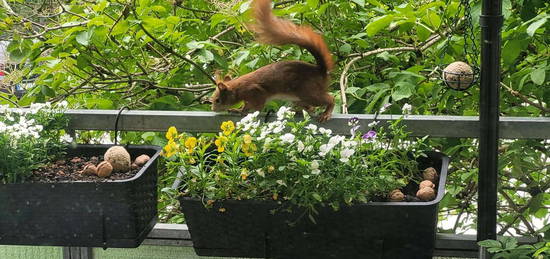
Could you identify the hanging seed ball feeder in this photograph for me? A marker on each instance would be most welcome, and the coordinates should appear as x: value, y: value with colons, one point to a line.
x: 458, y: 75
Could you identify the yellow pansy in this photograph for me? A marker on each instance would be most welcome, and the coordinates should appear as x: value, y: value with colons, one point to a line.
x: 227, y: 127
x: 171, y: 133
x: 190, y: 144
x: 170, y: 149
x: 247, y: 139
x: 249, y: 149
x: 220, y: 143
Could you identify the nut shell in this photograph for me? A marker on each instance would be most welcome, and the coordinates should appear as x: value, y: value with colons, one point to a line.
x: 89, y: 169
x: 426, y: 183
x: 397, y: 195
x: 119, y: 158
x: 430, y: 174
x: 104, y: 169
x: 141, y: 160
x: 458, y: 75
x: 426, y: 194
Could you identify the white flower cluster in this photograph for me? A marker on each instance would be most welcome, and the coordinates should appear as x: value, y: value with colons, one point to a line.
x: 249, y: 123
x: 21, y: 128
x: 17, y: 124
x: 315, y: 143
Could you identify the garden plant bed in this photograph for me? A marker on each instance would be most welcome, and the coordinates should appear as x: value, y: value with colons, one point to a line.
x: 69, y: 170
x: 372, y: 230
x: 106, y: 213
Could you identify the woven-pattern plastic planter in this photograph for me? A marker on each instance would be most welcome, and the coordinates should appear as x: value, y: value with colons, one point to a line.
x: 371, y: 230
x: 86, y: 214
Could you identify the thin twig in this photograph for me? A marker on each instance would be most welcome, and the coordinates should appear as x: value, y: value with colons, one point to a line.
x: 517, y: 210
x: 525, y: 98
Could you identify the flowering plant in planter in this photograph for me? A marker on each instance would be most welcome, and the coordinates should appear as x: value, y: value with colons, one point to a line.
x: 44, y: 174
x: 29, y: 138
x: 295, y: 161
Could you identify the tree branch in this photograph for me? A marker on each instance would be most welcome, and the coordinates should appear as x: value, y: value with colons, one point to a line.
x: 176, y: 54
x: 525, y: 98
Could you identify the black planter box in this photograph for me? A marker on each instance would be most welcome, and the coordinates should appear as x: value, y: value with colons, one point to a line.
x: 85, y: 214
x: 371, y: 230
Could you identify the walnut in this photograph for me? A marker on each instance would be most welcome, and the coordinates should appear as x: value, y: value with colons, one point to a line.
x: 119, y: 158
x: 427, y: 183
x: 430, y: 174
x: 141, y: 160
x: 426, y: 194
x: 104, y: 169
x: 396, y: 195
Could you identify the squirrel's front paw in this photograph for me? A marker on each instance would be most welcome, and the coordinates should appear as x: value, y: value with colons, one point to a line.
x: 324, y: 117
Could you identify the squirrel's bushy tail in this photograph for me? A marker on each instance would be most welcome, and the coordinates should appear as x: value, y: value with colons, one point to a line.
x: 276, y: 31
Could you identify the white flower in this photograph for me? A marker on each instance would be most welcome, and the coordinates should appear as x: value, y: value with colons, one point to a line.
x: 66, y: 138
x: 384, y: 107
x: 324, y: 149
x: 260, y: 172
x: 336, y: 140
x: 249, y: 123
x: 373, y: 123
x: 345, y: 154
x: 407, y: 108
x: 349, y: 143
x: 324, y: 131
x: 287, y: 138
x: 315, y: 167
x: 301, y: 146
x: 312, y: 127
x: 285, y: 113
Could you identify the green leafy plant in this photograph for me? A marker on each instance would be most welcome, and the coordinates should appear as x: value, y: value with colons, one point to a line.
x: 295, y: 161
x: 508, y: 248
x: 29, y: 138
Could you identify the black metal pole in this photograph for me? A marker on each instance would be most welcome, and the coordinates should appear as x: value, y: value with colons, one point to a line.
x: 491, y: 23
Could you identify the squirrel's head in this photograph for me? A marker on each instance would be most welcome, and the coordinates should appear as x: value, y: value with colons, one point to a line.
x: 223, y: 98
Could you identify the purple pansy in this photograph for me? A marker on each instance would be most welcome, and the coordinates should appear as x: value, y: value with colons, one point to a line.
x: 371, y: 134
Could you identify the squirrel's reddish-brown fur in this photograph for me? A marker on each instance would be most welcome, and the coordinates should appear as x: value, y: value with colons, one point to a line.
x: 303, y: 83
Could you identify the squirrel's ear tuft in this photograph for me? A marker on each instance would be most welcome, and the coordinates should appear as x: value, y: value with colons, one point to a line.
x: 222, y: 86
x: 226, y: 78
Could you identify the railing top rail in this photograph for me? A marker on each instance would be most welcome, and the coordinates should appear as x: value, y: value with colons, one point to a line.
x: 201, y: 121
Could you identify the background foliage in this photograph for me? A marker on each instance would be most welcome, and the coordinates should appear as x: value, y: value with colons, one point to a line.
x: 156, y: 54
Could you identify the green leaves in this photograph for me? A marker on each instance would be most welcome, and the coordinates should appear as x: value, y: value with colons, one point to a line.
x: 19, y: 50
x: 538, y: 75
x: 378, y: 24
x: 403, y: 90
x: 84, y: 37
x: 536, y: 25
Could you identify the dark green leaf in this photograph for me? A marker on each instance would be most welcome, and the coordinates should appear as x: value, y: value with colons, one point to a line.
x: 490, y: 243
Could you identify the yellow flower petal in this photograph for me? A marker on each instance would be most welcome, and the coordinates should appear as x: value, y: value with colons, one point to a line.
x: 227, y: 127
x: 247, y: 139
x: 190, y: 144
x: 171, y: 133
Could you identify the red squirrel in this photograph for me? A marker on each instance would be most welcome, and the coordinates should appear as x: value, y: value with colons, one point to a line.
x: 306, y: 85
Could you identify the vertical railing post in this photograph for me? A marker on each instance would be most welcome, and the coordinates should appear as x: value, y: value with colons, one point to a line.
x: 491, y: 23
x: 77, y: 253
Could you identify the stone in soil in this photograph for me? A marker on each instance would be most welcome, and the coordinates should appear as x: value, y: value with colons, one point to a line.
x: 70, y: 170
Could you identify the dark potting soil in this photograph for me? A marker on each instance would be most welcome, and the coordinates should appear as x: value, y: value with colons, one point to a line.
x: 69, y: 170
